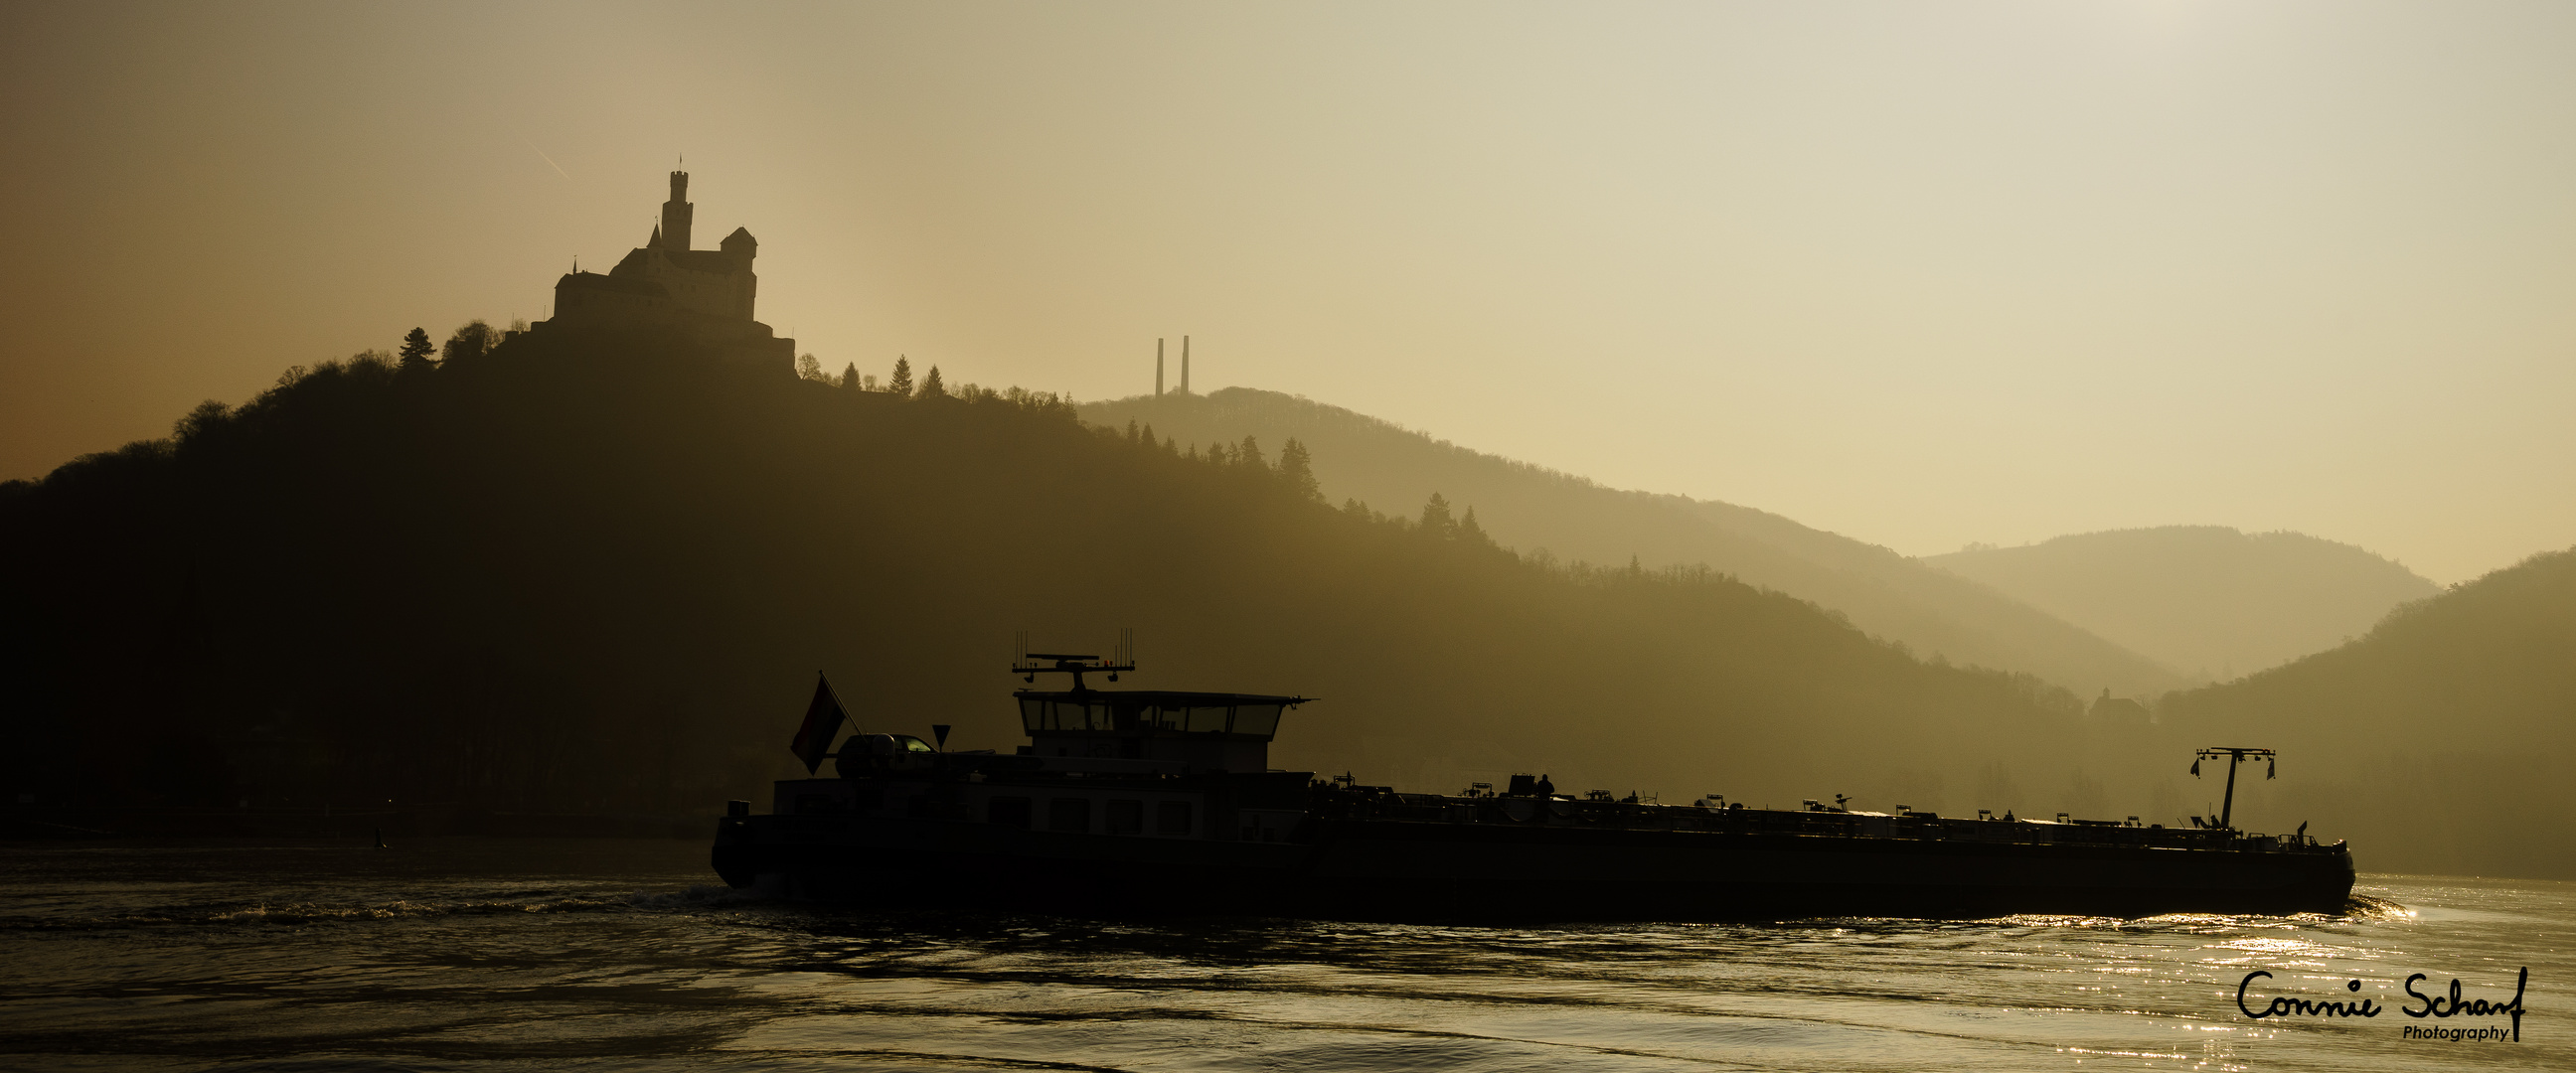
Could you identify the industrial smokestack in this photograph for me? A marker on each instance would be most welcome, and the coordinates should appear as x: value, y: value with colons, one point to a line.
x: 1185, y: 365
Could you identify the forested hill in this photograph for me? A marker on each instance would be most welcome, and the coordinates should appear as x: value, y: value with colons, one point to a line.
x: 1887, y: 594
x: 601, y: 577
x: 2450, y: 728
x: 2202, y: 597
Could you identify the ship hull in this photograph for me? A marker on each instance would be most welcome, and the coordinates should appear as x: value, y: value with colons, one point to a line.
x: 1409, y: 870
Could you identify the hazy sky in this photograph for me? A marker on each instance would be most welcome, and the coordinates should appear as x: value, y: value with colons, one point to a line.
x: 1923, y: 274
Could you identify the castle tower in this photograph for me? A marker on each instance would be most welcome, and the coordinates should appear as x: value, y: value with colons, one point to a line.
x: 740, y: 248
x: 676, y: 213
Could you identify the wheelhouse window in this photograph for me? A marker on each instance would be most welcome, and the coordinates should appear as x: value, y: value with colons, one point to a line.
x: 1130, y: 713
x: 1260, y: 719
x: 1036, y: 714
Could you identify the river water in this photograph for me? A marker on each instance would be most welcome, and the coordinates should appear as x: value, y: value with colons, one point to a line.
x: 626, y: 954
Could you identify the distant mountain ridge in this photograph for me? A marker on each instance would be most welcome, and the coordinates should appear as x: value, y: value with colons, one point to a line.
x: 2442, y: 737
x: 1393, y: 469
x: 2203, y: 598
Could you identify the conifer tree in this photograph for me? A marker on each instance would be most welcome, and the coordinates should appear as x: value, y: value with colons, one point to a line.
x: 1436, y: 520
x: 1471, y: 532
x: 1298, y: 469
x: 416, y: 349
x: 1249, y: 454
x: 931, y: 387
x: 1132, y: 435
x: 850, y: 376
x: 902, y: 382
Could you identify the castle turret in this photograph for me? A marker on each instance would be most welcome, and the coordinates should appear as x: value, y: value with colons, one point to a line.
x: 741, y: 246
x: 676, y: 213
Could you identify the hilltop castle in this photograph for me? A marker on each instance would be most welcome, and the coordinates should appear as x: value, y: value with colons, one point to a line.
x: 666, y: 288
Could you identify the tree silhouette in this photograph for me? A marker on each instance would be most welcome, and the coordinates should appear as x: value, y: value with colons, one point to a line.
x: 1436, y: 520
x: 931, y: 387
x: 416, y: 349
x: 207, y: 417
x: 472, y: 341
x: 1471, y: 532
x: 850, y: 376
x: 1298, y: 469
x: 902, y: 382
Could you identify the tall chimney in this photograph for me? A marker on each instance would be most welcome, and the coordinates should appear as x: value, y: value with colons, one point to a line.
x: 1185, y: 365
x: 676, y: 213
x: 1158, y: 368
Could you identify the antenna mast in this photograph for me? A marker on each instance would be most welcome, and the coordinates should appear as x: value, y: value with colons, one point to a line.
x: 2235, y: 755
x: 1028, y: 665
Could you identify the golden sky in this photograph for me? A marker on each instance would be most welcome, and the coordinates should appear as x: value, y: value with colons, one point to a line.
x: 1923, y: 274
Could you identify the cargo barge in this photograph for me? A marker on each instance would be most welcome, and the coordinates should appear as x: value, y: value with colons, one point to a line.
x: 1156, y: 801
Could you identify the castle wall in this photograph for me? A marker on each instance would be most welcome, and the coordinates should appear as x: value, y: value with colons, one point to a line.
x: 579, y: 308
x: 722, y: 294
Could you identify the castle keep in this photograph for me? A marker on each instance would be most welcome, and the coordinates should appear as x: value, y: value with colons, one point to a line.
x: 666, y: 288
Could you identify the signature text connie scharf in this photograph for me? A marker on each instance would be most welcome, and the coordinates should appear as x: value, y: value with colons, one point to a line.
x: 2437, y: 1005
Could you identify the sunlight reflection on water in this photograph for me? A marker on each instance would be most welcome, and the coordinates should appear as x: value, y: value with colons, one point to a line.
x: 459, y: 954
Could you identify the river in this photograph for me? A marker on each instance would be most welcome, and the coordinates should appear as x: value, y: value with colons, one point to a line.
x: 469, y: 954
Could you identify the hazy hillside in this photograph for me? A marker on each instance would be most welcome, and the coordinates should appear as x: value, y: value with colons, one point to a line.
x: 2202, y: 598
x: 2448, y: 732
x: 603, y: 578
x: 1393, y: 469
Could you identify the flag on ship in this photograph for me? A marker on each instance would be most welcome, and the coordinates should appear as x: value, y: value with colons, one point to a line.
x: 823, y: 720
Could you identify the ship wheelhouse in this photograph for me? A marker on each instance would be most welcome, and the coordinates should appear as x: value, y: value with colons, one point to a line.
x: 1199, y: 731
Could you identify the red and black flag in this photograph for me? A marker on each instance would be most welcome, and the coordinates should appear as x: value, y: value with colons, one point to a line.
x: 822, y: 724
